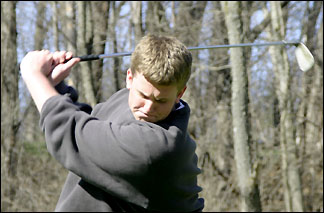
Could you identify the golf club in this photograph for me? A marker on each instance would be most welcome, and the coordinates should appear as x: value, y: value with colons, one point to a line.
x: 304, y: 57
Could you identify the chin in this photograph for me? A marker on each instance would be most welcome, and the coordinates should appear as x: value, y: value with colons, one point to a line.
x: 151, y: 120
x: 148, y: 119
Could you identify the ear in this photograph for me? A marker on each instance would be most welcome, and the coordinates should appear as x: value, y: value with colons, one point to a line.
x: 129, y: 79
x: 181, y: 94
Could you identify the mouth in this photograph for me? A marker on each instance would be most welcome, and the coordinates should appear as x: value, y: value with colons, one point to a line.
x: 144, y: 116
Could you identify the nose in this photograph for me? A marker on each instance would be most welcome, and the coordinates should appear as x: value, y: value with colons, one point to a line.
x: 148, y: 106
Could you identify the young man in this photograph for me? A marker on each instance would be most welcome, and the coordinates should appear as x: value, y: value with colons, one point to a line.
x: 132, y: 152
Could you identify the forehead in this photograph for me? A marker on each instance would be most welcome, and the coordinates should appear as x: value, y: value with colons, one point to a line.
x: 149, y: 88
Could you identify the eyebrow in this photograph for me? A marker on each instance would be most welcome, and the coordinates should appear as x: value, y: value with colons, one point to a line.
x: 156, y: 99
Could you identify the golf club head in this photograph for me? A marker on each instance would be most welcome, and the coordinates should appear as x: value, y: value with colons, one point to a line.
x: 304, y: 57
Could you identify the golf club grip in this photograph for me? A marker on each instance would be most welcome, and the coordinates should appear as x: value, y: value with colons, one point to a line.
x: 88, y: 57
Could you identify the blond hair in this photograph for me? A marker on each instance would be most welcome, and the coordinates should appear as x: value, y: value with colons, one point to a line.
x: 162, y: 60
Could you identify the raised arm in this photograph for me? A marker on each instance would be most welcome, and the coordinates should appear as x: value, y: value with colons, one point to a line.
x: 42, y: 70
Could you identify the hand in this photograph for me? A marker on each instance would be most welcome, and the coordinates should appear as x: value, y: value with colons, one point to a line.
x: 49, y: 64
x: 62, y: 63
x: 36, y: 62
x: 42, y: 70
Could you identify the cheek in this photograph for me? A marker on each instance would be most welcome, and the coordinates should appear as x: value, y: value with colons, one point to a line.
x: 165, y: 109
x: 135, y: 101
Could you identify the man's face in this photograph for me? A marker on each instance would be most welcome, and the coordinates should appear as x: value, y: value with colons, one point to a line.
x: 149, y: 101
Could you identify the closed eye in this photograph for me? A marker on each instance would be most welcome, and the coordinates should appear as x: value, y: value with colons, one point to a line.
x: 161, y: 101
x: 142, y: 95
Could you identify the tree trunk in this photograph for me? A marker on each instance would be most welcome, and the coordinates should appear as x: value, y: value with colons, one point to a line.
x: 136, y: 19
x: 100, y: 11
x: 290, y: 169
x: 40, y: 27
x: 88, y: 90
x: 247, y: 179
x: 313, y: 93
x: 117, y: 61
x: 55, y: 26
x: 156, y: 21
x: 218, y: 87
x: 9, y: 93
x: 70, y: 26
x: 308, y: 78
x: 191, y: 14
x: 70, y: 38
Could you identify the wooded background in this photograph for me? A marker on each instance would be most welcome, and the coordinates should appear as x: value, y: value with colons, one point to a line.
x: 256, y: 117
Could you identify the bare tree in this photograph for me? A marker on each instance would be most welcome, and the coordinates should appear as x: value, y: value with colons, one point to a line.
x: 247, y: 175
x: 100, y: 11
x: 191, y: 14
x: 290, y: 168
x: 156, y: 21
x: 9, y: 93
x: 117, y: 62
x: 88, y: 89
x: 70, y: 37
x: 309, y: 124
x: 55, y: 25
x: 40, y: 27
x: 216, y: 125
x: 136, y: 19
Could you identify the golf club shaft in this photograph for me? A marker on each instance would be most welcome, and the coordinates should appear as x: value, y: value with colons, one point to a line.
x: 112, y: 55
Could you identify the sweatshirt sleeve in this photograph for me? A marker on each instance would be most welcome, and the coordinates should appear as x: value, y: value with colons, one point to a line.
x: 70, y: 92
x: 111, y: 156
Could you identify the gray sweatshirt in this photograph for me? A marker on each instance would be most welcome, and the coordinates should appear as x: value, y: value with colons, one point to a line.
x: 117, y: 163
